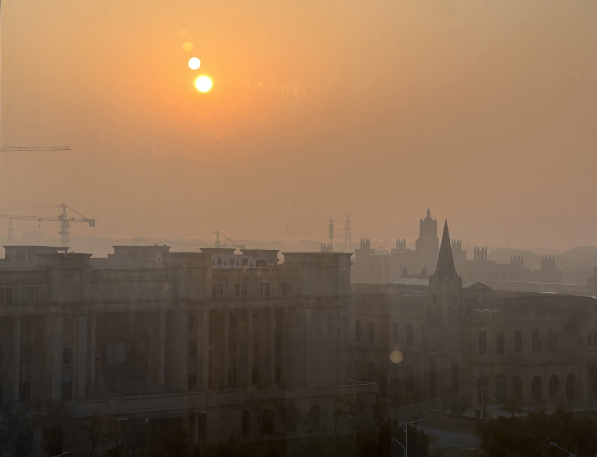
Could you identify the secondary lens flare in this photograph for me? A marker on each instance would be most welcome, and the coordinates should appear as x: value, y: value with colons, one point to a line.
x: 187, y: 47
x: 194, y: 63
x: 203, y: 83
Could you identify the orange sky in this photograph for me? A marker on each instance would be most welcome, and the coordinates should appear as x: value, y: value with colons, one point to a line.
x: 483, y: 111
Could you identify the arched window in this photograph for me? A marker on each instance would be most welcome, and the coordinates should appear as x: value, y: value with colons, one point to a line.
x: 570, y: 387
x: 409, y: 378
x: 314, y: 414
x: 371, y: 372
x: 268, y: 421
x: 482, y: 386
x: 246, y: 423
x: 517, y: 387
x: 500, y: 389
x: 537, y: 389
x: 554, y: 387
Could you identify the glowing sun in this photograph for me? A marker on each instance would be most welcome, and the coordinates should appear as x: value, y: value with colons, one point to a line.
x: 203, y: 83
x: 194, y: 63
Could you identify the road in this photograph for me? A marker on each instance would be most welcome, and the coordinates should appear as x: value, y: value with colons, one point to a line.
x: 451, y: 439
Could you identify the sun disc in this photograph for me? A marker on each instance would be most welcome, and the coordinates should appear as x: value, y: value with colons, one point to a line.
x: 187, y: 47
x: 203, y: 83
x: 194, y: 63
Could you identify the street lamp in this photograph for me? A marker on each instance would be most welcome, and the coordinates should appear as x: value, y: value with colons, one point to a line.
x: 552, y: 444
x: 403, y: 449
x: 405, y: 428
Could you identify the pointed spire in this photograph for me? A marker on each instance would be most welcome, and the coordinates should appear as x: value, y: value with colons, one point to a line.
x: 404, y: 273
x: 445, y: 261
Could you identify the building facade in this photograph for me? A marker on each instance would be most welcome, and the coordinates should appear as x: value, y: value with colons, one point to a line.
x: 463, y: 337
x: 148, y: 335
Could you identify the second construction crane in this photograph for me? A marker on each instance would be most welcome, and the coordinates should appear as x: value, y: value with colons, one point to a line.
x: 62, y: 218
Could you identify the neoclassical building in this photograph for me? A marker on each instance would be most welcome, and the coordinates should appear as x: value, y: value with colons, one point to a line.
x: 462, y: 336
x: 148, y: 335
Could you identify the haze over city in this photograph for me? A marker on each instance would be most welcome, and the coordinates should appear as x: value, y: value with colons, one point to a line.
x: 482, y: 111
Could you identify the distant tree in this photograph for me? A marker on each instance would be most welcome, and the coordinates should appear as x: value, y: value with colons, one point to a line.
x: 380, y: 408
x: 530, y: 435
x: 100, y: 430
x: 339, y: 409
x: 51, y: 416
x: 513, y: 405
x: 171, y: 441
x: 458, y: 406
x: 13, y: 423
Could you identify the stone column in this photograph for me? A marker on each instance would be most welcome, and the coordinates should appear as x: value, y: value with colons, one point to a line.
x: 91, y: 356
x: 272, y: 345
x: 249, y: 346
x: 16, y: 374
x: 204, y: 349
x: 183, y: 337
x: 226, y: 348
x: 82, y: 357
x: 56, y: 374
x: 162, y: 347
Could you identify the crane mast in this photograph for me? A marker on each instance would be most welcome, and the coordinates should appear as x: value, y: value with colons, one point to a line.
x: 62, y: 218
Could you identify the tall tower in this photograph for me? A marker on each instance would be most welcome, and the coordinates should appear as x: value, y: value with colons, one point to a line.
x: 331, y: 232
x: 445, y: 286
x: 428, y: 242
x: 347, y: 240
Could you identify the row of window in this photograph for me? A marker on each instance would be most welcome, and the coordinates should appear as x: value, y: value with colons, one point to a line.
x: 33, y: 295
x: 395, y: 333
x: 536, y: 343
x: 291, y: 420
x: 554, y: 388
x: 240, y: 290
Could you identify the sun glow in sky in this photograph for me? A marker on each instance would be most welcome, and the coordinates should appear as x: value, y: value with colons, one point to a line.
x: 203, y: 83
x: 459, y: 105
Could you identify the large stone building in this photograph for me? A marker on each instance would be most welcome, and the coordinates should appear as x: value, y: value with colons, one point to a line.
x: 382, y: 267
x: 150, y: 335
x: 462, y: 336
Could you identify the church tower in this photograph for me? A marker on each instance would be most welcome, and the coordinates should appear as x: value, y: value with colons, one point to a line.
x: 445, y: 314
x: 445, y: 286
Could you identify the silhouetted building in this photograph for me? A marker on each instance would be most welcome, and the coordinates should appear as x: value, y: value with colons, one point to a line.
x: 462, y: 336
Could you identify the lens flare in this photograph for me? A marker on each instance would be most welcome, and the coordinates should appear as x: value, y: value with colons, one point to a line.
x: 203, y: 83
x: 187, y: 47
x: 194, y: 63
x: 396, y: 357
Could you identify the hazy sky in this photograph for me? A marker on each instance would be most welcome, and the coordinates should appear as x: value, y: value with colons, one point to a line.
x: 484, y: 111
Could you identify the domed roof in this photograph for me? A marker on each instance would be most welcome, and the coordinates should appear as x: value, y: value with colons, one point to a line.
x: 486, y: 313
x: 476, y: 312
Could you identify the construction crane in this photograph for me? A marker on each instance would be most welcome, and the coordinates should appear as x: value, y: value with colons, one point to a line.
x: 62, y: 218
x: 33, y: 148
